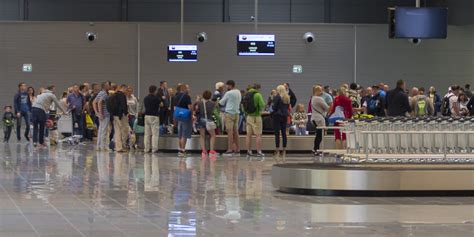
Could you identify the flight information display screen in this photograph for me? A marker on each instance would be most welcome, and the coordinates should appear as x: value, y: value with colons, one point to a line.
x: 255, y: 45
x: 425, y: 23
x: 182, y: 53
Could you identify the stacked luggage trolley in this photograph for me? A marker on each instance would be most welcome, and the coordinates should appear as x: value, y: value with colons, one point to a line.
x: 390, y: 156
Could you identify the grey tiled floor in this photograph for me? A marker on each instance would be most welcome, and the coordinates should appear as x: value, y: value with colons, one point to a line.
x: 76, y: 191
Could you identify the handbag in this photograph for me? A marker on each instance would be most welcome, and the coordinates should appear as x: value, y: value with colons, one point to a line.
x: 337, y: 115
x: 89, y: 123
x: 181, y: 114
x: 210, y: 125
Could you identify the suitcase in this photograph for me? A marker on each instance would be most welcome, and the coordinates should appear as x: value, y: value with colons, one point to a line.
x: 65, y: 124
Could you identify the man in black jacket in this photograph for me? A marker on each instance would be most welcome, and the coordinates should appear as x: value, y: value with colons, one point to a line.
x: 291, y: 94
x: 120, y: 118
x: 165, y: 106
x: 397, y: 102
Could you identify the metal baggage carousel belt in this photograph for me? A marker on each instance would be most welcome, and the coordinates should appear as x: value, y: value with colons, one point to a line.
x: 379, y: 167
x: 369, y: 179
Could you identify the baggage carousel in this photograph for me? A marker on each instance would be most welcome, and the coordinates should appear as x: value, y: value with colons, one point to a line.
x: 454, y: 176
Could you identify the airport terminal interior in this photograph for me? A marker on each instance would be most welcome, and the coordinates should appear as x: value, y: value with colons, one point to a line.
x: 220, y: 118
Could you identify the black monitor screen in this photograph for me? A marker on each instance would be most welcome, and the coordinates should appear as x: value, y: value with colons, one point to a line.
x: 431, y: 22
x: 182, y: 53
x: 256, y: 45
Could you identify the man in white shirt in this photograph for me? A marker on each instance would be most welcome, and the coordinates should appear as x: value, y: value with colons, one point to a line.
x: 231, y: 101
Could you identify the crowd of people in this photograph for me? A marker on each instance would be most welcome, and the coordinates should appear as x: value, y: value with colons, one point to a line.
x: 114, y: 115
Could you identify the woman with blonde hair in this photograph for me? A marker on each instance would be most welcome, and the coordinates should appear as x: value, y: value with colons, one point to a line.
x: 281, y: 105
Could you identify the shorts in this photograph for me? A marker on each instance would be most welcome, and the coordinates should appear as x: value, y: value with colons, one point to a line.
x: 338, y: 134
x: 185, y: 129
x: 231, y: 121
x: 254, y: 125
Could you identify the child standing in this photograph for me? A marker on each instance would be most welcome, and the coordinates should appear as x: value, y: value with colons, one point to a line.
x: 300, y: 118
x: 8, y: 118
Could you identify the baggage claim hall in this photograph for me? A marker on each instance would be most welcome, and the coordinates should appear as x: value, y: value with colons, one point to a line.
x: 223, y: 118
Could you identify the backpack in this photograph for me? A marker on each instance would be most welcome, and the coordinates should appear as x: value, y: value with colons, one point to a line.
x: 372, y: 104
x: 445, y: 108
x: 112, y: 104
x: 421, y: 105
x: 249, y: 104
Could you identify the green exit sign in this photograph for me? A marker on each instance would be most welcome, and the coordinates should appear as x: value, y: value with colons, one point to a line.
x: 27, y: 67
x: 297, y: 69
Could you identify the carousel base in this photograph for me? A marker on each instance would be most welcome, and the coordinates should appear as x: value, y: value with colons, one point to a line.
x: 374, y: 179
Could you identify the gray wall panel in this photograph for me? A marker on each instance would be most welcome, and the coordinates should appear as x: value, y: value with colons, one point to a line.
x: 61, y: 55
x: 9, y: 10
x: 74, y: 10
x: 433, y: 62
x: 307, y: 11
x: 169, y: 10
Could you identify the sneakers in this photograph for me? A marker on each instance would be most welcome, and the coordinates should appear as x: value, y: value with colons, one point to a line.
x: 260, y: 154
x: 228, y: 153
x: 204, y: 153
x: 249, y: 153
x: 213, y: 153
x: 182, y: 154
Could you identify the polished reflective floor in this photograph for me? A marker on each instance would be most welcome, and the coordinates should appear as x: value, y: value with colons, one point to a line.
x: 76, y: 191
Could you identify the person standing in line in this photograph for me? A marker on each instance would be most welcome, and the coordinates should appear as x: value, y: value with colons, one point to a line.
x: 8, y: 122
x: 397, y: 102
x: 318, y: 117
x: 435, y: 100
x: 22, y: 106
x: 454, y: 104
x: 166, y: 100
x: 253, y: 105
x: 467, y: 90
x: 206, y: 122
x: 281, y: 106
x: 470, y: 106
x: 133, y: 106
x: 375, y: 104
x: 185, y: 125
x: 75, y: 102
x: 100, y: 108
x: 118, y: 102
x: 40, y: 107
x: 421, y: 104
x: 292, y: 95
x: 31, y: 93
x: 152, y: 120
x: 216, y: 97
x: 343, y: 104
x: 231, y: 101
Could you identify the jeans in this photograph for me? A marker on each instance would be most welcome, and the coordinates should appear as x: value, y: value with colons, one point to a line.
x: 131, y: 120
x: 279, y: 126
x: 26, y: 117
x: 318, y: 138
x: 164, y: 116
x: 39, y: 120
x: 103, y: 133
x: 300, y: 131
x: 121, y: 130
x: 152, y: 133
x: 8, y: 131
x: 78, y: 124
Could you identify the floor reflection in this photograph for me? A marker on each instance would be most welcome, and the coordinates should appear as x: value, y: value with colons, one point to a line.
x: 139, y: 194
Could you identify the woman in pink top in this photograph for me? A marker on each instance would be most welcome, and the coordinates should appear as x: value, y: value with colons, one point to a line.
x: 344, y: 103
